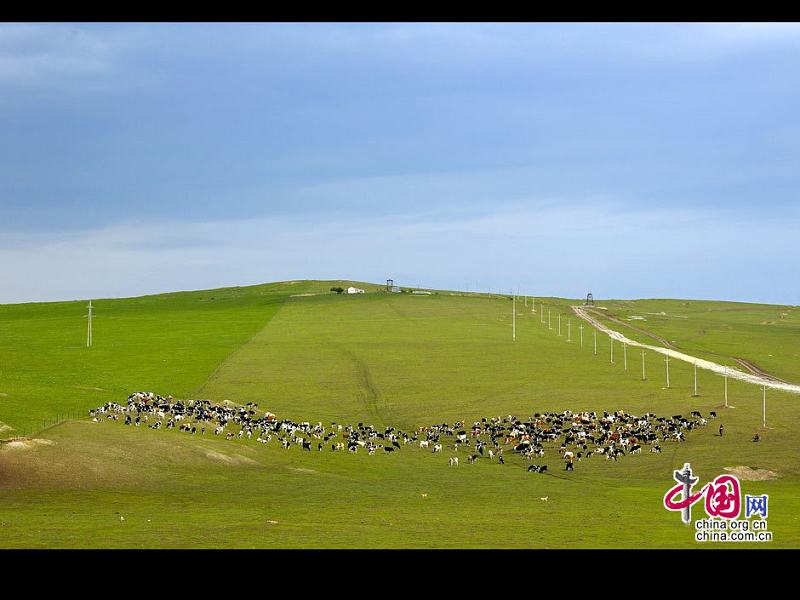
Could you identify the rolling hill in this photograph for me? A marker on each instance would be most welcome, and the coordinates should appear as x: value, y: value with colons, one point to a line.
x: 398, y: 360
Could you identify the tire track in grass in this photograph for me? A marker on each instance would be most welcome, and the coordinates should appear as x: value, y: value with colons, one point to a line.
x: 756, y: 370
x: 644, y: 332
x: 746, y: 364
x: 367, y: 388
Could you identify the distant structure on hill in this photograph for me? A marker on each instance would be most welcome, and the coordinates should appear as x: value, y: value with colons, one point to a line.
x: 354, y: 290
x: 391, y: 287
x: 589, y: 300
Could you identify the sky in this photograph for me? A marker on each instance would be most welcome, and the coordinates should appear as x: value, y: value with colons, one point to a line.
x: 629, y: 160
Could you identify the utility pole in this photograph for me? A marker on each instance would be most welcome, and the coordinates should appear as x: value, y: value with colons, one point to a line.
x: 549, y: 326
x: 559, y: 324
x: 695, y: 381
x: 569, y: 330
x: 726, y: 387
x: 533, y: 304
x: 644, y: 375
x: 595, y: 342
x: 612, y: 350
x: 667, y: 361
x: 625, y: 355
x: 89, y: 330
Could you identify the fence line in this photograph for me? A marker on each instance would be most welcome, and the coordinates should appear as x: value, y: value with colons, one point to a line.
x: 45, y: 424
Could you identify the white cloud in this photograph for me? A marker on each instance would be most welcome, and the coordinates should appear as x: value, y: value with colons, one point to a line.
x: 72, y: 57
x: 46, y: 54
x: 35, y: 54
x: 514, y: 45
x: 547, y: 248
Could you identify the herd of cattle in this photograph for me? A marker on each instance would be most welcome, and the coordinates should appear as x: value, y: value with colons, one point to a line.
x: 577, y: 436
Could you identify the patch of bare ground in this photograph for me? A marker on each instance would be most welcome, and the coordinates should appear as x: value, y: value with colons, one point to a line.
x: 26, y: 444
x: 235, y: 460
x: 749, y: 474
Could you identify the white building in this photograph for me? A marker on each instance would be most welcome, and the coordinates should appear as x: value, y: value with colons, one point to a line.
x: 354, y: 290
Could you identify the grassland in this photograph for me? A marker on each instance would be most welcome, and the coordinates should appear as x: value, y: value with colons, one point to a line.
x: 167, y: 341
x: 385, y: 359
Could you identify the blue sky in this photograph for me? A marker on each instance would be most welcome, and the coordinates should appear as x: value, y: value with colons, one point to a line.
x: 632, y: 160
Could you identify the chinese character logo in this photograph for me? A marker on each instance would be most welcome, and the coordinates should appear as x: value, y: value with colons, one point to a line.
x: 685, y: 484
x: 755, y: 505
x: 723, y: 495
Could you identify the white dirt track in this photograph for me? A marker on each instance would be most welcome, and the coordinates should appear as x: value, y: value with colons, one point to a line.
x: 701, y: 364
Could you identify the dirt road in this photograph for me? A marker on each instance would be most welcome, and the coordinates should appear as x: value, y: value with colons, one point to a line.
x: 755, y: 378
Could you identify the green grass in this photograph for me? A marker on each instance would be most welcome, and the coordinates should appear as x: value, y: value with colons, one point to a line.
x: 385, y: 359
x: 162, y: 342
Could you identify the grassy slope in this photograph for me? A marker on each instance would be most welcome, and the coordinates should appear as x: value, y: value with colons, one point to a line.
x: 404, y: 361
x: 168, y: 341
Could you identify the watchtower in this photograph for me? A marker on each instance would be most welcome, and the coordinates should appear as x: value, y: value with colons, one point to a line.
x: 589, y: 300
x: 389, y: 285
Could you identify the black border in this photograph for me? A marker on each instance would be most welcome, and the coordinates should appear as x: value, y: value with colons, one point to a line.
x: 393, y: 12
